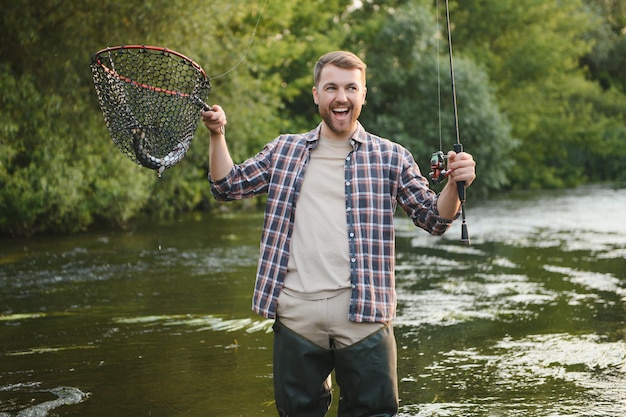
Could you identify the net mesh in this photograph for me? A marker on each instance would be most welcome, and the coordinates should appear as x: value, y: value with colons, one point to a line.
x: 150, y: 98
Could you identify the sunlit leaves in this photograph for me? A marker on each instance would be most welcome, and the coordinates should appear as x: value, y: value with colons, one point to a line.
x: 540, y: 91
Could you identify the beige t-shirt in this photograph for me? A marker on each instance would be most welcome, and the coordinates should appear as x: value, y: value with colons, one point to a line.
x: 319, y: 261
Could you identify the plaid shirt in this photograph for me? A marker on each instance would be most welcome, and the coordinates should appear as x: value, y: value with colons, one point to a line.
x: 379, y: 175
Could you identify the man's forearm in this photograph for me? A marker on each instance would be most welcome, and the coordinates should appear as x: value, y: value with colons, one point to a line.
x: 448, y: 203
x: 220, y: 161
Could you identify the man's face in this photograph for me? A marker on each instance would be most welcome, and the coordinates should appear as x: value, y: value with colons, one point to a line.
x: 340, y: 95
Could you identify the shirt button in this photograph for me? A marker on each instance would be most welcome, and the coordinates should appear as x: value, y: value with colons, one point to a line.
x: 349, y: 209
x: 353, y: 286
x: 351, y: 234
x: 353, y: 260
x: 348, y: 183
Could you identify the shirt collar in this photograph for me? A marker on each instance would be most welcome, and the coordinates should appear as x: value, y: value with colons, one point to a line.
x: 359, y: 136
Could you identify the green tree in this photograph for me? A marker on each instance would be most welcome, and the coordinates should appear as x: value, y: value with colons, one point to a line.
x: 409, y: 91
x: 59, y: 169
x: 607, y: 59
x: 525, y: 69
x: 532, y: 51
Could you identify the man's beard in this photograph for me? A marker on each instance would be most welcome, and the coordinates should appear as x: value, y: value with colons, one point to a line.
x: 346, y: 126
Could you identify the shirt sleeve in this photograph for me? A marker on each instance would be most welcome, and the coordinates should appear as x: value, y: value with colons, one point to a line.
x: 245, y: 180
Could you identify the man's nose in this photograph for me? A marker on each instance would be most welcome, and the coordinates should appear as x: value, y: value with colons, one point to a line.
x: 341, y: 94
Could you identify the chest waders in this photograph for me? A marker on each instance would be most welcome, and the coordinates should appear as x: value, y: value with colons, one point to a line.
x: 366, y: 373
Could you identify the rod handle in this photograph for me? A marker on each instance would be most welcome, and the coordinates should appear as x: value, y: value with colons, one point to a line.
x: 458, y: 148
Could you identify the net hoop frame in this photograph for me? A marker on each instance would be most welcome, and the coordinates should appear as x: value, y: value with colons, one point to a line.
x: 111, y: 71
x: 134, y: 138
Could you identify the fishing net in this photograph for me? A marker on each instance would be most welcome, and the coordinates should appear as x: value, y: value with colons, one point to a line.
x: 150, y: 98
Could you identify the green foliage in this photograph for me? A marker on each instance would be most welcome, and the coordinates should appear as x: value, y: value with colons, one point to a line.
x: 409, y: 96
x: 607, y: 59
x: 541, y: 93
x: 52, y: 178
x: 532, y: 51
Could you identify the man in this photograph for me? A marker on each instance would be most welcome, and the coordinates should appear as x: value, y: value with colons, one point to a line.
x: 326, y: 269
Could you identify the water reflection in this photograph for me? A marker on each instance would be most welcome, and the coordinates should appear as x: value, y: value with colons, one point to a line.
x: 528, y: 321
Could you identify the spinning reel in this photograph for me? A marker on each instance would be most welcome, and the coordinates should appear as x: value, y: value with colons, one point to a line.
x: 438, y: 172
x: 438, y: 167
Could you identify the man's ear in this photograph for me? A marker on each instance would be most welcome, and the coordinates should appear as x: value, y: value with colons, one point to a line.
x: 314, y: 90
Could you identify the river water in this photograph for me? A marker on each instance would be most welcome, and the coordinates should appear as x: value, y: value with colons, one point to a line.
x: 530, y: 320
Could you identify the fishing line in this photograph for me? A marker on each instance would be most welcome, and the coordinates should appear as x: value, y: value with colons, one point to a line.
x: 438, y: 59
x: 438, y: 167
x: 245, y: 53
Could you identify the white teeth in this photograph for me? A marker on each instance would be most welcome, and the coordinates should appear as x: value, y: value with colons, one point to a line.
x: 340, y: 110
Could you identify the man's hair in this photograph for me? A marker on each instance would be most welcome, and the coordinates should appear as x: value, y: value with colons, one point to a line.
x: 341, y: 59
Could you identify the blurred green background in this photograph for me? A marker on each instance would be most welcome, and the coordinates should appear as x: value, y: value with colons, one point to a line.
x: 540, y: 84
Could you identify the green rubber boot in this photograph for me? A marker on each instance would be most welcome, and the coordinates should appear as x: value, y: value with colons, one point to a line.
x: 302, y: 385
x: 366, y: 373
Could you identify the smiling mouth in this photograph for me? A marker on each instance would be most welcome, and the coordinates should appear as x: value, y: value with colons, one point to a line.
x: 340, y: 111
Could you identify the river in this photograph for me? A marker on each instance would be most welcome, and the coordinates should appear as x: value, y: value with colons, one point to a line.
x: 530, y: 320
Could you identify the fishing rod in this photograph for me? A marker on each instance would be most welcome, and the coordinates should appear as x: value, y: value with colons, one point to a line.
x: 437, y: 161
